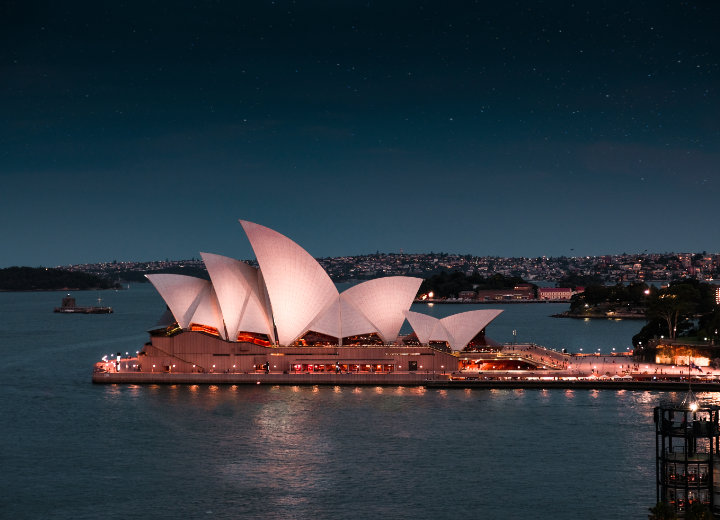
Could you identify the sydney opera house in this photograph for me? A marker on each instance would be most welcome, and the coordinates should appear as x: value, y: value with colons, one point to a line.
x: 288, y: 317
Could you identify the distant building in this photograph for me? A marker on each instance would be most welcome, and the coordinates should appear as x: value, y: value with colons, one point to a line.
x: 519, y: 292
x: 683, y: 353
x: 554, y: 293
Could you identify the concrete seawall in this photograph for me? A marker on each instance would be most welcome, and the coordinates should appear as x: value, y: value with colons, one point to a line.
x: 274, y: 379
x: 426, y: 380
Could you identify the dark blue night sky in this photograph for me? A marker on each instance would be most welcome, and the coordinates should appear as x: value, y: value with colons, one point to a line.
x: 144, y: 130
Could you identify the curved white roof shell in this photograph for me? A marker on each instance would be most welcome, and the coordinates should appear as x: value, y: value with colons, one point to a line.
x: 329, y: 320
x: 341, y: 319
x: 182, y: 294
x: 383, y: 301
x: 426, y: 327
x: 457, y: 329
x: 464, y: 326
x: 354, y: 321
x: 238, y: 292
x: 208, y: 311
x: 298, y: 287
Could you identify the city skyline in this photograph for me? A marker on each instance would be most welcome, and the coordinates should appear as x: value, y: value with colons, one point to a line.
x: 143, y: 131
x: 630, y: 268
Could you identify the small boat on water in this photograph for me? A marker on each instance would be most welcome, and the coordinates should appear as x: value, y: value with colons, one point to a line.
x: 68, y: 306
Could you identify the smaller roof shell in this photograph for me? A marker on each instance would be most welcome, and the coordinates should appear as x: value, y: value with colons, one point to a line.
x: 182, y: 294
x: 383, y: 301
x: 457, y: 329
x: 239, y: 294
x: 464, y: 326
x: 208, y: 312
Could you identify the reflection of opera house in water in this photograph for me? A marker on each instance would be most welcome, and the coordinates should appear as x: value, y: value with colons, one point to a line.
x: 288, y: 317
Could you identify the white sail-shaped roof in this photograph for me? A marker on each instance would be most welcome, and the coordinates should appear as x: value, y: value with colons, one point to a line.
x: 237, y: 286
x: 298, y: 287
x: 440, y: 333
x: 341, y: 319
x: 292, y: 293
x: 383, y: 302
x: 181, y: 293
x: 464, y: 326
x: 457, y: 329
x: 354, y: 322
x: 328, y: 320
x: 422, y: 324
x: 208, y: 311
x: 265, y: 309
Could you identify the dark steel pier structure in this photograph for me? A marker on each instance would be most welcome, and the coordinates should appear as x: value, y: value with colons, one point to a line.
x: 687, y: 447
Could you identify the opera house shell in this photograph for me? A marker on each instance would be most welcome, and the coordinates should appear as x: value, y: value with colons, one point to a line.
x: 287, y: 316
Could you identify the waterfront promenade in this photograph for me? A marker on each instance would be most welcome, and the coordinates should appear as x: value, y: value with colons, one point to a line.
x: 496, y: 381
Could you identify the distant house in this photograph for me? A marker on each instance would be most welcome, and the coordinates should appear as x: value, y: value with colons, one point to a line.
x: 467, y: 295
x: 554, y: 293
x: 519, y: 292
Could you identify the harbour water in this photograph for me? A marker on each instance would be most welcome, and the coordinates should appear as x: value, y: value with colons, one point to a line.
x: 70, y: 449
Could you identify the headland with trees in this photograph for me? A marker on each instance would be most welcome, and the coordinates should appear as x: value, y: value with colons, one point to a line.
x: 51, y: 279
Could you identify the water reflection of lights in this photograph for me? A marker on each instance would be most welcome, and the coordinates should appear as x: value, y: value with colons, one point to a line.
x: 709, y: 398
x: 646, y: 398
x: 357, y: 390
x: 378, y: 389
x: 315, y: 389
x: 337, y: 389
x: 293, y: 441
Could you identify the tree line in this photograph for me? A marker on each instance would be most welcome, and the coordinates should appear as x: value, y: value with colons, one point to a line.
x: 685, y: 308
x: 49, y: 279
x: 447, y: 284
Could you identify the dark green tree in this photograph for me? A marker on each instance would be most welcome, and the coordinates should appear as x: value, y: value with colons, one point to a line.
x: 709, y: 325
x: 672, y: 305
x: 449, y: 283
x: 699, y: 511
x: 662, y: 511
x: 49, y: 279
